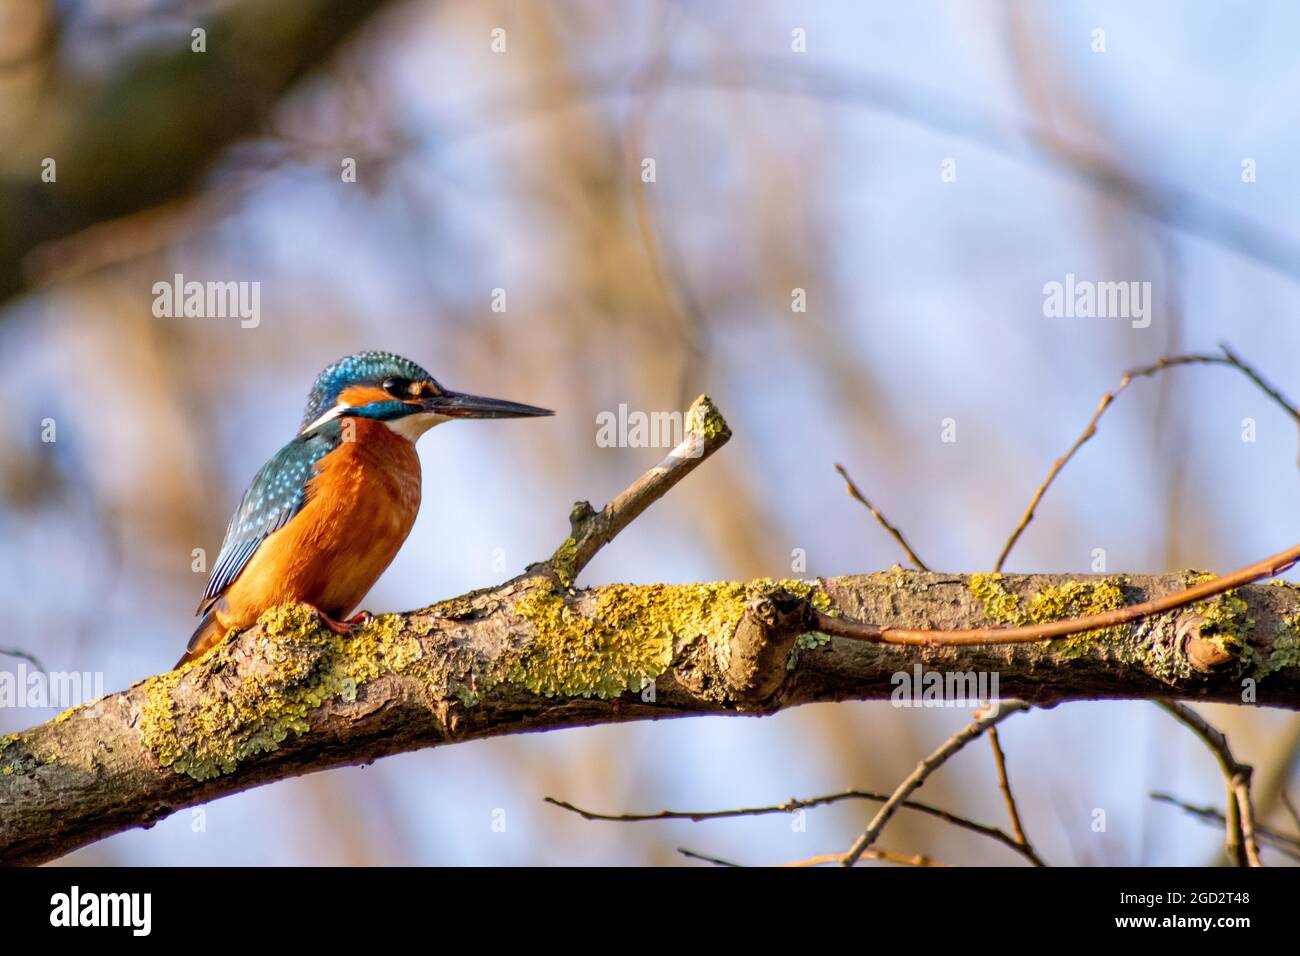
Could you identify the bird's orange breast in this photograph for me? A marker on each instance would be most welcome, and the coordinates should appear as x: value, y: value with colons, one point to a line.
x: 360, y: 507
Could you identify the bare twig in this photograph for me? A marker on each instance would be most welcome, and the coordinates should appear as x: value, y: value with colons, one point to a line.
x: 933, y: 762
x: 1290, y: 809
x: 1284, y: 843
x: 715, y: 860
x: 24, y: 655
x: 706, y: 432
x: 1239, y: 841
x: 1004, y: 784
x: 1057, y: 465
x: 884, y: 522
x: 1270, y: 780
x: 823, y: 859
x: 795, y: 803
x: 1172, y: 361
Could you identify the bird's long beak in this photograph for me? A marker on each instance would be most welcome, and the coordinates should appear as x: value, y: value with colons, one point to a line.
x: 460, y: 405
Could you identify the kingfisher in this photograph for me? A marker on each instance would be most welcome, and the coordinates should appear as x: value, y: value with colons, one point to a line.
x: 328, y: 513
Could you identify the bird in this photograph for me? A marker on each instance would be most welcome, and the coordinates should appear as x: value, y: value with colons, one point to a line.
x: 327, y: 514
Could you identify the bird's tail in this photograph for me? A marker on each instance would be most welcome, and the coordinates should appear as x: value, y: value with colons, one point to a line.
x: 208, y: 633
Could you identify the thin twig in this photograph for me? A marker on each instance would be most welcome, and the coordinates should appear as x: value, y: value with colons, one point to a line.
x: 706, y: 432
x: 933, y: 762
x: 1057, y: 465
x: 1285, y: 404
x: 884, y: 522
x: 1239, y: 840
x: 823, y: 859
x: 1145, y: 371
x: 878, y: 634
x: 1004, y: 783
x: 1284, y: 843
x: 1290, y: 808
x: 796, y: 803
x: 30, y: 658
x: 715, y: 860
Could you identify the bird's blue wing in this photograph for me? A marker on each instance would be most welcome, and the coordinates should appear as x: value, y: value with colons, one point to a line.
x: 277, y: 494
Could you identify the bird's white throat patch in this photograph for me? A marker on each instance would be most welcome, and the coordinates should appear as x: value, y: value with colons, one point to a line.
x: 413, y: 426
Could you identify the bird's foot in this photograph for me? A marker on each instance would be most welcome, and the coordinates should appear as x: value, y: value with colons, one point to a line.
x: 344, y: 627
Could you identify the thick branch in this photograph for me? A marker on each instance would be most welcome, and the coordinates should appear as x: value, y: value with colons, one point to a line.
x: 288, y: 697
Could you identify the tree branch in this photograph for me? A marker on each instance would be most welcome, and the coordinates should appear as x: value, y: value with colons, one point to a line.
x: 1283, y: 843
x: 1239, y: 842
x: 289, y: 697
x: 856, y: 494
x: 795, y: 803
x: 1145, y: 371
x: 985, y: 721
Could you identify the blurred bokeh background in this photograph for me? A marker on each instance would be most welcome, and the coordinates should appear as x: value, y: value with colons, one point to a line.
x: 920, y: 170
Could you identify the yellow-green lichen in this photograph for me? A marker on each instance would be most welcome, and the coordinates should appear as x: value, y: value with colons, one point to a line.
x: 627, y: 636
x: 704, y: 419
x: 820, y: 601
x: 999, y: 605
x: 1226, y: 618
x: 5, y: 741
x: 564, y: 561
x: 1056, y: 602
x: 1225, y: 621
x: 309, y: 666
x: 1284, y: 653
x: 603, y: 644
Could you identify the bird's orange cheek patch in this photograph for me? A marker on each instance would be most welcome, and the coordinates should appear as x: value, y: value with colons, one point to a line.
x: 357, y: 395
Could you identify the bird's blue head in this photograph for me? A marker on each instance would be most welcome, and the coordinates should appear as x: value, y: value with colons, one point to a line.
x: 391, y: 389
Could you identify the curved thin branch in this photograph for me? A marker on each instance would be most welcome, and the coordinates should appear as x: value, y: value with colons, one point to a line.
x: 1240, y: 818
x: 926, y: 767
x: 789, y: 806
x: 1145, y: 371
x: 22, y: 655
x: 1004, y: 784
x: 893, y: 532
x: 1285, y: 844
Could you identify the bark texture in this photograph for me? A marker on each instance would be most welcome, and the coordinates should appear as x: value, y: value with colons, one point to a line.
x: 289, y: 697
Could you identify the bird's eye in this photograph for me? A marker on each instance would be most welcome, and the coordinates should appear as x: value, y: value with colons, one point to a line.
x: 397, y: 387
